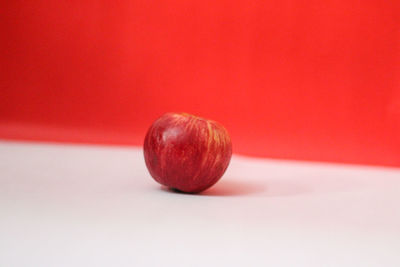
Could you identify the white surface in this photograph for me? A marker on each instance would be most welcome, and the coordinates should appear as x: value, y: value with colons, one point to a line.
x: 97, y: 206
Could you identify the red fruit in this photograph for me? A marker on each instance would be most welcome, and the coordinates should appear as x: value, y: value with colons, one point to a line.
x: 187, y: 153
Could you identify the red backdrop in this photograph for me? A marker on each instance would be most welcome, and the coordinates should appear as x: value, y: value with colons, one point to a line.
x: 314, y: 80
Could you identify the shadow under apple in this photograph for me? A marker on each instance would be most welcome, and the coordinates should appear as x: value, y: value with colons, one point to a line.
x: 226, y: 187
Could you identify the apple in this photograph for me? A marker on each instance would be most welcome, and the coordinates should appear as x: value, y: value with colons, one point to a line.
x: 186, y: 152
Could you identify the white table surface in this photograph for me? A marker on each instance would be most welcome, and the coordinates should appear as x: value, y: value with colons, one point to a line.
x: 66, y: 205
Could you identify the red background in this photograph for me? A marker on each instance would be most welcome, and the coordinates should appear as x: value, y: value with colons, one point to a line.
x: 313, y: 80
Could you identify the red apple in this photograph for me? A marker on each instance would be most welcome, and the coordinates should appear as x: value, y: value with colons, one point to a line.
x: 186, y: 152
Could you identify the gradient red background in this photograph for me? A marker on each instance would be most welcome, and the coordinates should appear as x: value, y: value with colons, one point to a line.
x: 312, y: 80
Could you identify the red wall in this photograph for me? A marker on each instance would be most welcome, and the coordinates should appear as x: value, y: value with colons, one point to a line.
x: 314, y: 80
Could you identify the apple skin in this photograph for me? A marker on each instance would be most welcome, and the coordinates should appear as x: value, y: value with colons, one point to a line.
x: 186, y: 152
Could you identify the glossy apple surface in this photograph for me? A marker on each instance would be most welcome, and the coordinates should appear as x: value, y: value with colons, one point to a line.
x: 186, y: 152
